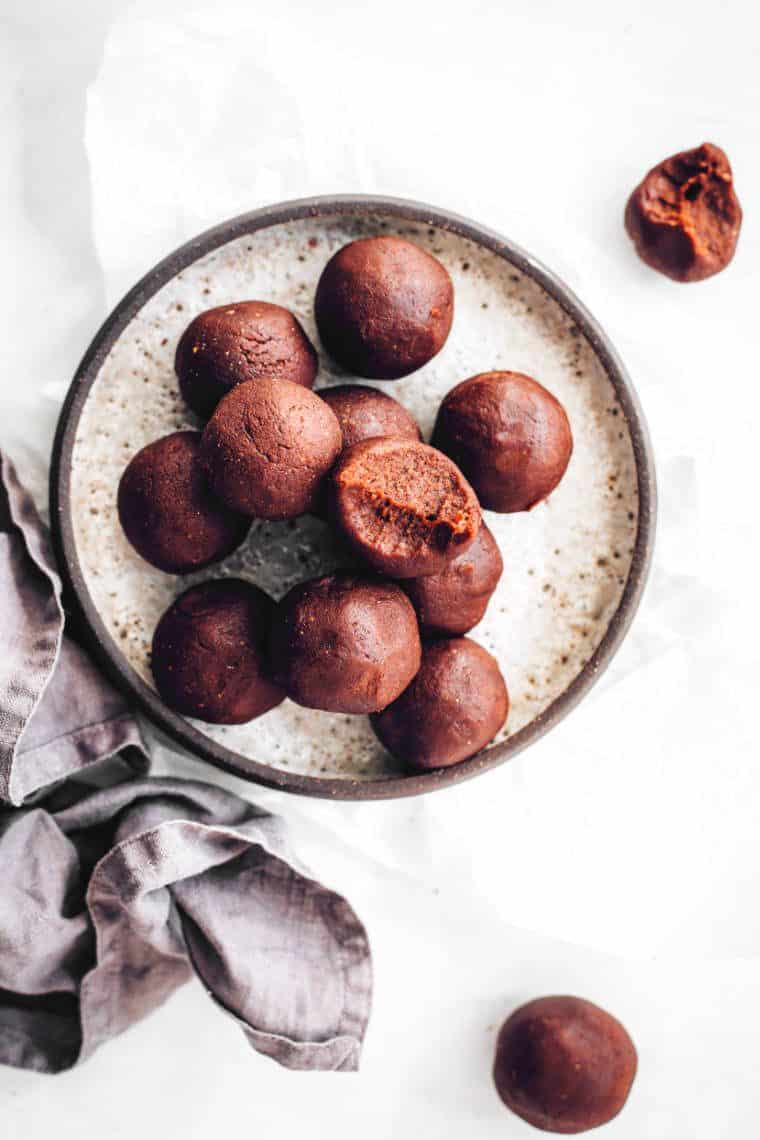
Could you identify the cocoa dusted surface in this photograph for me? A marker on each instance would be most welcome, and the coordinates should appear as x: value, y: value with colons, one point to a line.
x: 227, y: 345
x: 268, y: 446
x: 452, y: 602
x: 404, y: 507
x: 510, y: 436
x: 684, y: 217
x: 383, y: 307
x: 454, y: 707
x: 564, y: 1065
x: 168, y: 512
x: 345, y: 643
x: 208, y: 656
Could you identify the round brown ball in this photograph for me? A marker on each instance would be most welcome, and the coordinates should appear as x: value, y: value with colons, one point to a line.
x: 167, y: 509
x: 564, y: 1065
x: 510, y: 436
x: 268, y: 446
x: 228, y: 345
x: 452, y: 602
x: 365, y: 413
x: 384, y: 307
x: 454, y: 707
x: 403, y: 506
x: 684, y: 217
x: 345, y: 644
x: 208, y: 653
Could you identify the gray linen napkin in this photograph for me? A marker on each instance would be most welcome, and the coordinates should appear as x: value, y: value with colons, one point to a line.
x: 111, y: 897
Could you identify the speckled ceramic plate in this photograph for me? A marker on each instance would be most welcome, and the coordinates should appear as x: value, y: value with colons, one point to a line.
x: 574, y: 567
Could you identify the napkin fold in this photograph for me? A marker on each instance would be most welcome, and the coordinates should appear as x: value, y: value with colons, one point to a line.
x: 117, y: 888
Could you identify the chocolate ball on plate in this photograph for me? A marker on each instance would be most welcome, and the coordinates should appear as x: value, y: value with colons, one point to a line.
x: 455, y: 600
x: 365, y: 413
x: 564, y: 1065
x: 684, y: 217
x: 403, y: 506
x: 454, y: 707
x: 384, y: 307
x: 509, y: 435
x: 167, y: 509
x: 228, y: 345
x: 268, y: 446
x: 208, y: 656
x: 345, y: 643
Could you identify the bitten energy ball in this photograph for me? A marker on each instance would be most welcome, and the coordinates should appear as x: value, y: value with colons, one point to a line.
x: 684, y: 217
x: 403, y: 506
x: 509, y: 435
x: 168, y: 512
x: 455, y: 600
x: 208, y: 653
x: 564, y: 1065
x: 365, y: 413
x: 268, y: 446
x: 228, y: 345
x: 345, y: 644
x: 384, y: 307
x: 454, y: 707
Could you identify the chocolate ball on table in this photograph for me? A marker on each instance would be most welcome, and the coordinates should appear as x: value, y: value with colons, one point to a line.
x: 564, y: 1065
x: 365, y: 413
x: 345, y: 644
x: 403, y: 506
x: 510, y: 436
x: 684, y: 217
x: 454, y: 707
x: 167, y: 509
x: 383, y: 307
x: 208, y: 655
x: 268, y: 446
x: 228, y: 345
x: 452, y: 602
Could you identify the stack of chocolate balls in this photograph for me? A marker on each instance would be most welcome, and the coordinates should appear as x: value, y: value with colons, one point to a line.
x: 389, y: 641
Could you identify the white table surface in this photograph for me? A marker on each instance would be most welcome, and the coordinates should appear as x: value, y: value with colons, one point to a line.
x: 618, y: 858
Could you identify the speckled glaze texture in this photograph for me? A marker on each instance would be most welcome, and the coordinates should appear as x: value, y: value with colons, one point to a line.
x: 567, y: 561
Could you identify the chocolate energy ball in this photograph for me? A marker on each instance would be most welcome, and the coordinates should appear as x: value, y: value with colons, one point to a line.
x: 509, y: 435
x: 208, y: 653
x: 403, y: 506
x: 454, y: 707
x: 684, y: 217
x: 365, y: 413
x: 234, y: 343
x: 168, y: 512
x: 268, y: 446
x: 455, y: 600
x: 384, y: 307
x: 345, y: 644
x: 564, y: 1065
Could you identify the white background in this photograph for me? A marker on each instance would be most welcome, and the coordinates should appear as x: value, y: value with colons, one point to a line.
x: 618, y: 858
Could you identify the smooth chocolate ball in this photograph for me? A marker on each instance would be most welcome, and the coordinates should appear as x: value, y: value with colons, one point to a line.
x: 403, y: 506
x: 345, y: 644
x: 365, y: 413
x: 454, y: 707
x: 684, y: 217
x: 384, y: 307
x: 564, y: 1065
x: 228, y: 345
x: 268, y: 446
x: 167, y: 509
x: 510, y: 436
x: 452, y: 602
x: 208, y: 656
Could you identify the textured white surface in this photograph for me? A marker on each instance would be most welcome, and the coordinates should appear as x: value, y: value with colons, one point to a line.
x: 566, y: 561
x: 618, y: 858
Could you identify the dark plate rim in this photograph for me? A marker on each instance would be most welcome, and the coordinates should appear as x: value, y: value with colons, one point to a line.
x: 104, y: 648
